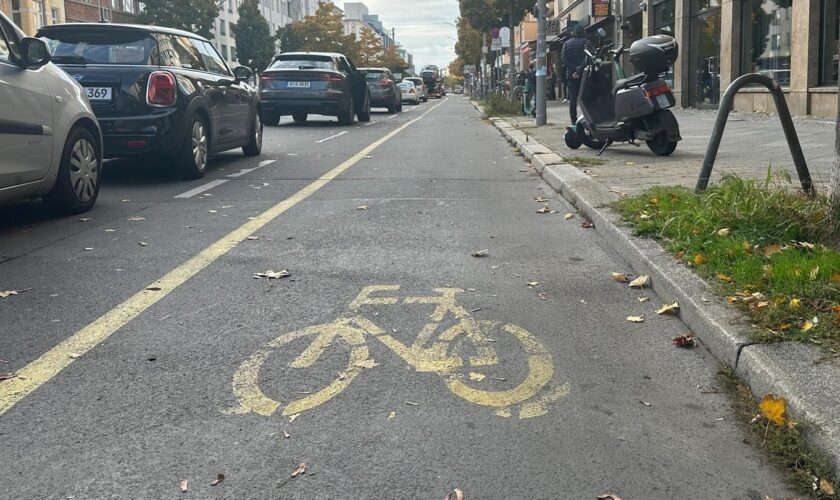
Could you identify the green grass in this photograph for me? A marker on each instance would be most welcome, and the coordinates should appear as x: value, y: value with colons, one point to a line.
x: 498, y: 105
x: 583, y: 161
x: 753, y: 237
x: 785, y: 445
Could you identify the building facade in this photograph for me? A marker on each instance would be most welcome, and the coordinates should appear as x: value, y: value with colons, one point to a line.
x: 30, y: 15
x: 794, y: 42
x: 94, y: 11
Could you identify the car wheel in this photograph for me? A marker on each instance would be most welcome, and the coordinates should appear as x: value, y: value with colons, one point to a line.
x: 399, y: 106
x: 391, y: 109
x: 272, y: 119
x: 254, y: 146
x: 364, y: 114
x: 300, y: 117
x: 345, y: 116
x: 192, y: 160
x: 77, y: 184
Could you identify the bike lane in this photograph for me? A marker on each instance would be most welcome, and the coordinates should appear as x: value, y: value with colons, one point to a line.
x: 609, y: 406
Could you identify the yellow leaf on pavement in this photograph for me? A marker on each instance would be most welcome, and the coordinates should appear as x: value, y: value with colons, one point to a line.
x: 639, y: 282
x: 636, y: 319
x: 300, y: 469
x: 569, y: 216
x: 795, y: 303
x: 477, y: 376
x: 620, y: 277
x: 366, y: 363
x: 774, y: 409
x: 391, y: 415
x: 807, y: 325
x: 671, y: 308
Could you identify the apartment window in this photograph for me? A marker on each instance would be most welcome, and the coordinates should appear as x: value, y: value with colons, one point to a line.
x: 233, y: 54
x: 829, y: 41
x: 38, y: 13
x: 232, y: 27
x: 55, y: 16
x: 222, y: 27
x: 230, y: 6
x: 225, y: 52
x: 765, y: 38
x: 105, y: 14
x: 129, y: 6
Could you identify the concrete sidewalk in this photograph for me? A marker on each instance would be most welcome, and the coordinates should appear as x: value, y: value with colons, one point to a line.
x: 751, y: 144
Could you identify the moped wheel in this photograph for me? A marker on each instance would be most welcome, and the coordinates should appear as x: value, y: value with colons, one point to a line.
x: 246, y: 380
x: 660, y: 144
x: 572, y: 139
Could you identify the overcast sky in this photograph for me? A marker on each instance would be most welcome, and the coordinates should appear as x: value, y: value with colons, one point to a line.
x: 424, y: 27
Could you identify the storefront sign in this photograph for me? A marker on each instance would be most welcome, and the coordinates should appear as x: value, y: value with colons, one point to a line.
x: 600, y: 8
x: 553, y: 27
x: 504, y: 34
x: 496, y: 45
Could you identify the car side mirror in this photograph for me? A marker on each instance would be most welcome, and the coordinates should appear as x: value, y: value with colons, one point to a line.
x: 242, y: 73
x: 34, y: 52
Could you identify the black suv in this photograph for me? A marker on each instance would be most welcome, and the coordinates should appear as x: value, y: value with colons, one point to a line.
x: 303, y: 83
x: 160, y: 91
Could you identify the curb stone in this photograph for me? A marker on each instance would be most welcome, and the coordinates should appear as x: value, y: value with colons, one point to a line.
x: 791, y: 370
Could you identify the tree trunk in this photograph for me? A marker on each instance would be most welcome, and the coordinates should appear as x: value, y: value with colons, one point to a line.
x: 834, y: 186
x: 512, y: 70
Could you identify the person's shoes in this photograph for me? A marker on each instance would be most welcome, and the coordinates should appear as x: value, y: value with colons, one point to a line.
x: 565, y: 100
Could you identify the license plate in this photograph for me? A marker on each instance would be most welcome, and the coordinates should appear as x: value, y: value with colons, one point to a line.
x: 662, y: 100
x: 99, y: 93
x: 297, y: 85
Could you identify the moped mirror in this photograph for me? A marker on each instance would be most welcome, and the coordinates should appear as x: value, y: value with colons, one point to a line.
x: 601, y: 32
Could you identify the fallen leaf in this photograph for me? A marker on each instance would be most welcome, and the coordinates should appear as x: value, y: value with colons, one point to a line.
x: 366, y: 363
x: 213, y: 211
x: 699, y: 259
x: 541, y: 199
x: 300, y: 469
x: 480, y: 253
x: 412, y: 403
x: 685, y: 341
x: 772, y: 249
x: 544, y: 210
x: 608, y: 496
x: 286, y: 434
x: 74, y: 355
x: 795, y: 303
x: 569, y: 216
x: 142, y: 243
x: 7, y: 293
x: 587, y: 225
x: 253, y: 238
x: 640, y: 282
x: 724, y: 278
x: 293, y: 417
x: 391, y: 415
x: 835, y: 278
x: 459, y: 495
x: 185, y: 486
x: 630, y: 163
x: 363, y: 207
x: 88, y: 249
x: 154, y: 289
x: 723, y: 232
x: 805, y: 245
x: 814, y: 272
x: 533, y: 283
x: 7, y: 376
x: 643, y: 299
x: 671, y: 308
x: 477, y: 376
x: 219, y: 479
x: 774, y: 409
x: 542, y: 296
x: 636, y: 319
x: 273, y: 274
x: 836, y: 311
x: 826, y: 487
x: 621, y: 277
x: 807, y: 325
x: 645, y: 403
x: 136, y: 218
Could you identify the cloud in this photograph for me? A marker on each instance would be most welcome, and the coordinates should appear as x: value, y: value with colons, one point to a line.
x: 425, y: 29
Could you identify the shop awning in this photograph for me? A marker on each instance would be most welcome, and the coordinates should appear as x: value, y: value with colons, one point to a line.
x: 600, y: 24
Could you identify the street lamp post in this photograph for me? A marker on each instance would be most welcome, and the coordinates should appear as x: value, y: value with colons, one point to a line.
x: 541, y: 64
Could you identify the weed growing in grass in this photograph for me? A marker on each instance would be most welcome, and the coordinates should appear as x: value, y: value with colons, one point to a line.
x: 583, y: 161
x: 499, y: 105
x: 759, y: 244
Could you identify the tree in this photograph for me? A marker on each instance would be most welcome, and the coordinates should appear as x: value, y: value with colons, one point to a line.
x: 392, y: 60
x: 468, y: 47
x: 370, y: 47
x: 196, y: 16
x: 254, y: 43
x: 321, y: 32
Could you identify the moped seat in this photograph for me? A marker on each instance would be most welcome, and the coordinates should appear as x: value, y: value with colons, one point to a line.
x: 628, y: 82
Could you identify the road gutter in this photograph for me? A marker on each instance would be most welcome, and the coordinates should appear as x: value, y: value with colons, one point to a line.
x: 791, y: 370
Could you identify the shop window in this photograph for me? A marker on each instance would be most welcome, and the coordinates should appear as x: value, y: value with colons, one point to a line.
x: 698, y: 6
x: 16, y: 17
x: 765, y: 38
x: 663, y: 17
x: 829, y: 41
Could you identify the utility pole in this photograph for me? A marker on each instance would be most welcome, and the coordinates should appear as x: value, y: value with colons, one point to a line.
x: 541, y: 65
x: 482, y: 75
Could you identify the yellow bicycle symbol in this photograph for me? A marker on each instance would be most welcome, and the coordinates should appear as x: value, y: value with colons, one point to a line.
x: 431, y: 352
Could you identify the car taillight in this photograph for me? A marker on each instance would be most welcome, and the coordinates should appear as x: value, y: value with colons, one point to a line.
x: 655, y: 90
x: 331, y: 77
x: 412, y: 91
x: 384, y: 83
x: 161, y: 89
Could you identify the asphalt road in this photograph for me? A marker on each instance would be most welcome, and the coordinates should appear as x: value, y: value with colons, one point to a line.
x: 398, y: 364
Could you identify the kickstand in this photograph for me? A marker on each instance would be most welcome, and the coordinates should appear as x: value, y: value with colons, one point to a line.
x: 606, y: 145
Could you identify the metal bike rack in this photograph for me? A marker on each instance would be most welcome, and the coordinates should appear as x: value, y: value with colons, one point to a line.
x: 784, y: 117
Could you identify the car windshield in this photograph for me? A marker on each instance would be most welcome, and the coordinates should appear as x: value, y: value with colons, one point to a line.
x: 101, y: 47
x: 302, y: 62
x: 375, y: 76
x: 406, y: 85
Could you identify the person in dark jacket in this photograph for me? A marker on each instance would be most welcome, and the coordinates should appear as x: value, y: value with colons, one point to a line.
x: 574, y: 57
x: 531, y: 84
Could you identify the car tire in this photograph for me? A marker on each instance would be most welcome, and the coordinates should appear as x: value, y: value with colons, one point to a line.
x: 391, y: 109
x: 79, y: 174
x: 399, y: 106
x: 192, y: 159
x: 364, y: 114
x: 254, y: 146
x: 271, y: 119
x: 300, y: 117
x: 345, y: 116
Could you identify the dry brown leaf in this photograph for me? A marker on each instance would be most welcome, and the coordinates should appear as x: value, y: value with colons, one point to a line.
x: 459, y: 495
x: 636, y: 319
x: 542, y: 296
x: 544, y: 210
x: 273, y: 275
x: 300, y: 469
x: 608, y: 496
x: 621, y: 277
x: 533, y: 283
x: 685, y: 341
x: 671, y: 308
x: 724, y: 278
x: 219, y: 479
x: 644, y: 299
x: 587, y: 225
x: 7, y: 376
x: 480, y: 253
x: 185, y: 486
x: 826, y: 487
x: 774, y: 409
x: 805, y: 245
x: 640, y: 282
x: 772, y: 249
x: 569, y: 216
x: 366, y: 363
x: 7, y: 293
x: 699, y: 259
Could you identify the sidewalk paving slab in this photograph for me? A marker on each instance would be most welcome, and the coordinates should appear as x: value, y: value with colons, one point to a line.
x: 790, y: 370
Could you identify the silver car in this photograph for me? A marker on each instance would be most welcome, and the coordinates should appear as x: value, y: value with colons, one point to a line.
x: 419, y: 85
x: 50, y: 142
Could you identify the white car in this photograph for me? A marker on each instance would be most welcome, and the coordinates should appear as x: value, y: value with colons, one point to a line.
x: 50, y: 141
x: 409, y: 92
x: 421, y: 87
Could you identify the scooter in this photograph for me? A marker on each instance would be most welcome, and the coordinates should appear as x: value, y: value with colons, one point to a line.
x: 633, y: 109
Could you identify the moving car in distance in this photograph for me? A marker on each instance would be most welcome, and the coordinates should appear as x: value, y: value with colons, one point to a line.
x: 419, y: 85
x: 304, y: 83
x: 384, y: 92
x: 159, y: 92
x: 409, y: 92
x: 50, y: 143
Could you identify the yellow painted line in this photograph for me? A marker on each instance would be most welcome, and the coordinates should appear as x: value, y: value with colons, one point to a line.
x: 50, y: 364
